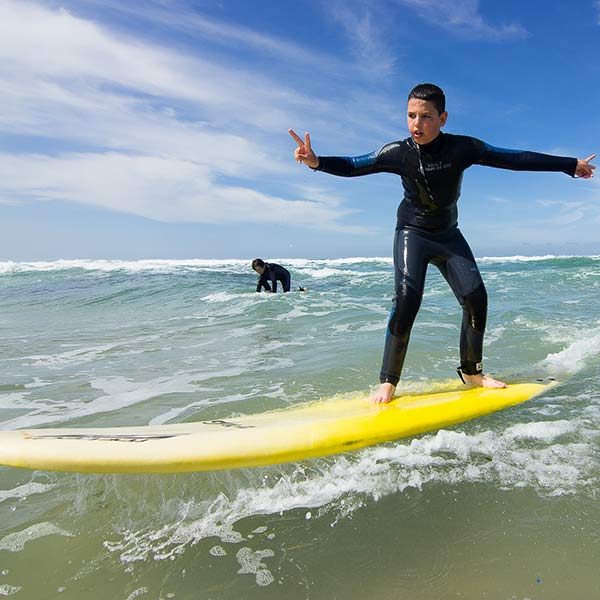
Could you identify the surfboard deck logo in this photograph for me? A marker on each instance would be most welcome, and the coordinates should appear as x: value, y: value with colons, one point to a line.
x: 92, y: 437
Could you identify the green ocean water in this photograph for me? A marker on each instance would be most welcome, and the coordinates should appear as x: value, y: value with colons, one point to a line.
x: 503, y: 507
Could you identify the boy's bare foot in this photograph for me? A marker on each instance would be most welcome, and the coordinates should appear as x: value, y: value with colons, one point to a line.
x: 384, y: 394
x: 482, y: 380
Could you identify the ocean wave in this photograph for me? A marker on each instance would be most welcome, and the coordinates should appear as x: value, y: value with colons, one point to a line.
x: 235, y: 265
x: 70, y: 357
x: 552, y: 457
x: 326, y: 271
x: 572, y: 358
x: 106, y: 265
x: 118, y: 393
x: 300, y: 263
x: 248, y: 297
x: 239, y: 264
x: 536, y: 258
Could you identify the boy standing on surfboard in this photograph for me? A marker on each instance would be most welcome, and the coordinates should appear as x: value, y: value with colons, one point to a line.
x: 431, y: 164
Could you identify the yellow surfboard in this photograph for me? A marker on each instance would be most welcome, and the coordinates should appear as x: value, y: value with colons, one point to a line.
x: 296, y: 433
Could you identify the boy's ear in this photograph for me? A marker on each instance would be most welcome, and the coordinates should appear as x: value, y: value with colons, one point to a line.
x: 444, y: 118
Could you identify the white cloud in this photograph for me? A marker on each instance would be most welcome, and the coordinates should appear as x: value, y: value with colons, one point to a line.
x: 182, y: 16
x: 569, y: 211
x: 500, y: 200
x: 463, y: 17
x: 166, y: 128
x: 365, y: 30
x: 368, y: 27
x: 163, y: 189
x: 43, y: 49
x: 115, y: 122
x: 567, y: 218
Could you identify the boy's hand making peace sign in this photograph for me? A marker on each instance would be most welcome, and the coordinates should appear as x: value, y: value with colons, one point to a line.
x: 304, y: 152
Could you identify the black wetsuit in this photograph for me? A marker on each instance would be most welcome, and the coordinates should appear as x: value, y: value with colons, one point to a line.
x: 271, y: 275
x: 427, y: 231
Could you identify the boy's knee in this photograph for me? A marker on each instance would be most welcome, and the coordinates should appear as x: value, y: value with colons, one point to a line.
x: 475, y: 304
x: 406, y: 306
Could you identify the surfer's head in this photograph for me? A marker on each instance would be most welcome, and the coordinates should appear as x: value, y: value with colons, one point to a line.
x: 431, y: 93
x: 258, y: 264
x: 426, y: 112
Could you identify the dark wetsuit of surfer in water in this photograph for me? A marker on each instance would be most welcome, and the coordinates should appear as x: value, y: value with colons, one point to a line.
x: 270, y: 274
x: 431, y: 165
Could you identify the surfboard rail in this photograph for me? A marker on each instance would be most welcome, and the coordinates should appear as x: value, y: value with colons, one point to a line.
x: 300, y: 432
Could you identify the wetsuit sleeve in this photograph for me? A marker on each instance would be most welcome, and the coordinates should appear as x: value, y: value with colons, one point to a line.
x: 262, y: 282
x: 386, y: 160
x: 520, y: 160
x: 274, y: 281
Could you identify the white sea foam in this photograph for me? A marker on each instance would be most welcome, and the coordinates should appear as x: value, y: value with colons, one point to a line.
x: 335, y: 262
x: 70, y: 357
x: 518, y: 258
x: 252, y: 562
x: 177, y: 413
x: 323, y: 272
x: 372, y: 307
x: 15, y: 542
x: 172, y: 265
x: 18, y: 400
x: 553, y: 457
x: 137, y: 593
x: 154, y: 265
x: 572, y: 358
x: 357, y: 328
x: 37, y: 383
x: 312, y: 310
x: 218, y: 551
x: 119, y: 393
x: 493, y: 335
x: 248, y: 330
x: 298, y: 312
x: 28, y: 489
x: 9, y: 590
x: 524, y: 258
x: 237, y: 265
x: 546, y: 431
x: 327, y: 272
x: 218, y: 297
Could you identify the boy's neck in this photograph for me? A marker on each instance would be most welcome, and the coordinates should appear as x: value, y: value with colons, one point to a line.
x: 432, y: 146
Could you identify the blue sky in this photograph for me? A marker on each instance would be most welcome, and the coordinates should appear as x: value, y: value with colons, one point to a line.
x: 158, y: 128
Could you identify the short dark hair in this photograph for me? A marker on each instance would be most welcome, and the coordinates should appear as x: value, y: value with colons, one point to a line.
x: 258, y: 262
x: 430, y: 92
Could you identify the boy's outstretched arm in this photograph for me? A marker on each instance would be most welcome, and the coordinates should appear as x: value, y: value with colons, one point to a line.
x: 584, y: 169
x: 343, y: 166
x: 304, y: 152
x: 526, y: 160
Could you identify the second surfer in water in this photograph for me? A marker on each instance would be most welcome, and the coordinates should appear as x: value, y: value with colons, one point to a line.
x: 270, y: 274
x: 431, y: 164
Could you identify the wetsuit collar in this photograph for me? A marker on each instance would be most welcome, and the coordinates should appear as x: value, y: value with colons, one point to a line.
x: 433, y: 147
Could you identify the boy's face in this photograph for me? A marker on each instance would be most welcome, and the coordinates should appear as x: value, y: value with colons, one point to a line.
x: 424, y: 121
x: 259, y: 270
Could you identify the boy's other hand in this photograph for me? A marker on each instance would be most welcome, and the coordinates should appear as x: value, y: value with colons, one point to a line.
x: 584, y: 169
